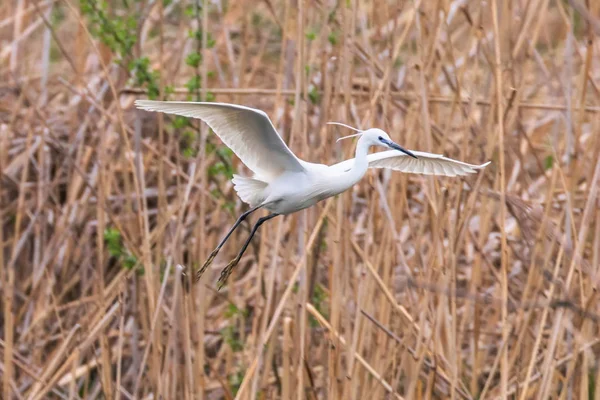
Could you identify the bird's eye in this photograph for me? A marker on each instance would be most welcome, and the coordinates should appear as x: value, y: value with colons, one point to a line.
x: 380, y: 138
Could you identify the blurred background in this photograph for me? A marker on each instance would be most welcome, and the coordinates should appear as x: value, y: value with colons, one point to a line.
x: 405, y: 286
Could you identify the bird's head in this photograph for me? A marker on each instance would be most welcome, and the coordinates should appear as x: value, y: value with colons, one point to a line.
x: 375, y: 137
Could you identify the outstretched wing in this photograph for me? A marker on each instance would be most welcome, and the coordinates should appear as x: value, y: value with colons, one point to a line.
x: 247, y: 131
x: 425, y: 163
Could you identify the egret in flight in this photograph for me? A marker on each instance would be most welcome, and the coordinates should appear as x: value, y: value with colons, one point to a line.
x: 283, y: 183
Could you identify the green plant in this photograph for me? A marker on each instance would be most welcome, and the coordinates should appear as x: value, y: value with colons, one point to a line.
x: 313, y: 95
x: 235, y: 381
x: 144, y: 75
x: 229, y: 333
x: 548, y: 162
x: 318, y: 299
x: 118, y: 30
x: 333, y: 38
x: 188, y: 143
x: 116, y: 249
x: 231, y: 337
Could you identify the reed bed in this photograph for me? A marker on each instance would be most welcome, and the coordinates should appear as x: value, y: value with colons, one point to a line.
x: 404, y: 287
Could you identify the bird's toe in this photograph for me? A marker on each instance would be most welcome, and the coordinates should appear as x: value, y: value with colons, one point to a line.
x: 206, y: 264
x: 225, y: 273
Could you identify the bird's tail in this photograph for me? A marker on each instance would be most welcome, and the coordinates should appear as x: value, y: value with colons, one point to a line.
x: 250, y: 190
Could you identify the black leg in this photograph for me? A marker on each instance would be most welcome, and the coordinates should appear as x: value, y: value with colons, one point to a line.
x: 227, y: 270
x: 216, y: 250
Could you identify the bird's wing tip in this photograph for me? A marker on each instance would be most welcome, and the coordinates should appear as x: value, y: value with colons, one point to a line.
x: 147, y: 105
x: 481, y: 166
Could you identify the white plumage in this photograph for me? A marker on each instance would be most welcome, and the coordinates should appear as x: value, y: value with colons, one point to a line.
x: 425, y: 163
x: 246, y: 131
x: 282, y: 183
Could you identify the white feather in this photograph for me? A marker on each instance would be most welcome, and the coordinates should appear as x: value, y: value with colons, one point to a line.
x: 247, y: 131
x: 250, y: 190
x: 426, y: 163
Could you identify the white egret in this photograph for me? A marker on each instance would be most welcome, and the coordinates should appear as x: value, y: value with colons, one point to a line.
x: 282, y: 183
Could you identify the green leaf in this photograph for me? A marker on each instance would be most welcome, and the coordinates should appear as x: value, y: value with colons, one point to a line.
x: 210, y: 42
x: 225, y: 152
x: 312, y: 322
x: 231, y: 310
x: 548, y: 162
x: 57, y: 16
x: 256, y: 19
x: 314, y: 95
x: 180, y: 122
x: 332, y: 38
x: 331, y: 16
x: 318, y: 296
x: 193, y: 59
x: 216, y: 193
x: 112, y: 238
x: 129, y: 261
x: 231, y: 338
x: 189, y: 136
x: 189, y: 152
x: 193, y: 83
x: 219, y: 168
x: 235, y: 381
x: 210, y: 148
x: 229, y: 206
x: 190, y: 10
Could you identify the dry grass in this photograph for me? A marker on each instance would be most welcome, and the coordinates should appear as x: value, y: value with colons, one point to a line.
x: 404, y: 287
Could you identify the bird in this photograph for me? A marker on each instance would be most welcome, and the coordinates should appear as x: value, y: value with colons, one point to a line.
x: 282, y: 183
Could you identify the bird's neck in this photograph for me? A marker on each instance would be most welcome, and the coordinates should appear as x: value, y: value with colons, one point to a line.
x: 361, y: 164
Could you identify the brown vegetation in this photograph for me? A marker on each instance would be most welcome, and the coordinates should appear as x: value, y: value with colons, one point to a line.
x: 404, y: 287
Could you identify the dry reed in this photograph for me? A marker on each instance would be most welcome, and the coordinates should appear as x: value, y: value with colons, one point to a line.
x: 404, y: 287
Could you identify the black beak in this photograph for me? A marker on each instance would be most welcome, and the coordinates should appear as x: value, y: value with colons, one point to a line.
x: 398, y: 147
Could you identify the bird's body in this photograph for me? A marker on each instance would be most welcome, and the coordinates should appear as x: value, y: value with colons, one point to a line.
x: 293, y: 191
x: 296, y: 190
x: 284, y: 184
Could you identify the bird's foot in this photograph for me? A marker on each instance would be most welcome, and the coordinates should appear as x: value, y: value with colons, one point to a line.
x: 209, y: 261
x: 226, y: 272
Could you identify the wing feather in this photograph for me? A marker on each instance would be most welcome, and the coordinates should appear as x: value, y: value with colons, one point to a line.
x: 247, y: 131
x: 426, y: 163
